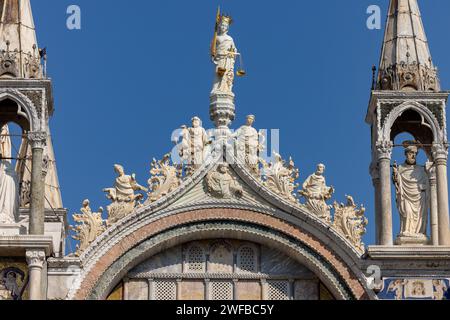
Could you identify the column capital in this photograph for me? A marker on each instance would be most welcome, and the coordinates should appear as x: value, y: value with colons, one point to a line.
x: 384, y: 150
x: 37, y: 139
x: 35, y: 258
x: 440, y: 153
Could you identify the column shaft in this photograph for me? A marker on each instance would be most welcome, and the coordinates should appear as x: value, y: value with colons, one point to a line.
x: 386, y: 238
x: 434, y: 222
x: 37, y: 206
x: 442, y: 195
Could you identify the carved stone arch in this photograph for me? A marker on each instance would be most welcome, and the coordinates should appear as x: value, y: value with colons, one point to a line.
x: 26, y: 108
x: 336, y: 273
x: 420, y: 109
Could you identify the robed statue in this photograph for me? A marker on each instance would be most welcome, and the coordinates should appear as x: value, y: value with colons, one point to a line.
x: 224, y: 54
x: 413, y: 197
x: 9, y: 184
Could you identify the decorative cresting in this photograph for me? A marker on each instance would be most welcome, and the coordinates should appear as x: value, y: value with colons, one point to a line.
x: 406, y: 63
x: 280, y: 177
x: 123, y: 196
x: 90, y: 225
x: 350, y: 221
x: 165, y: 178
x: 277, y: 177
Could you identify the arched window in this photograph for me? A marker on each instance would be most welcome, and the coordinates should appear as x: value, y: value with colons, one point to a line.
x: 195, y: 257
x: 247, y: 259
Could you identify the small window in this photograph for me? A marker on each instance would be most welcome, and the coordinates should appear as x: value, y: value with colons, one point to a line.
x: 246, y: 259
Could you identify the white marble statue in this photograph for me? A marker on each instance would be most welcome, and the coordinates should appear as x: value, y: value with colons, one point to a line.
x: 316, y: 193
x: 224, y: 55
x: 413, y: 196
x: 221, y: 184
x: 122, y: 195
x: 9, y: 183
x: 194, y: 142
x: 248, y: 145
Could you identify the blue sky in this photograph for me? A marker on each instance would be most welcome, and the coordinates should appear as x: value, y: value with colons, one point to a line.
x: 137, y: 70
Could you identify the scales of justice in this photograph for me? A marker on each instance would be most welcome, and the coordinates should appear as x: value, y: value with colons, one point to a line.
x: 224, y: 55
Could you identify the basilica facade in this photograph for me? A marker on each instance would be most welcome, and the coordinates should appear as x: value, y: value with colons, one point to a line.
x: 215, y: 220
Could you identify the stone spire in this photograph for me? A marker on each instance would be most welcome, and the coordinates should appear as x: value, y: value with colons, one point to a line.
x: 19, y: 56
x: 406, y: 63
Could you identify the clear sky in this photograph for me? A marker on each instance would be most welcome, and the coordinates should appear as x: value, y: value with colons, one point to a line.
x: 138, y: 69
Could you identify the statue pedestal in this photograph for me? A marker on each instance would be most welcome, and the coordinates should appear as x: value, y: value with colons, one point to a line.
x: 14, y: 229
x: 222, y: 109
x: 420, y: 240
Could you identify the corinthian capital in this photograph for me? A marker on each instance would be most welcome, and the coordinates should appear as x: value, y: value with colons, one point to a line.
x: 37, y: 139
x: 440, y: 152
x: 384, y: 149
x: 35, y: 258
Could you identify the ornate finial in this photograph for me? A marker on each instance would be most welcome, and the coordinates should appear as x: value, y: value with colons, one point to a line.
x: 374, y: 70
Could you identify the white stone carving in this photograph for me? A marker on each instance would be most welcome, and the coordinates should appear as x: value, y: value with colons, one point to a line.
x: 193, y: 147
x: 9, y: 182
x: 90, y: 226
x: 122, y: 195
x: 440, y: 288
x: 248, y: 145
x: 165, y: 178
x: 221, y: 184
x: 280, y: 178
x: 35, y: 258
x: 349, y: 220
x: 224, y: 54
x: 316, y: 192
x: 413, y: 197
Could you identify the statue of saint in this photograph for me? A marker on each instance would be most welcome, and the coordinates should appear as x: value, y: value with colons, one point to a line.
x: 124, y: 187
x: 9, y: 183
x: 316, y: 192
x: 413, y: 196
x: 221, y: 184
x: 193, y: 145
x: 224, y: 54
x: 248, y: 145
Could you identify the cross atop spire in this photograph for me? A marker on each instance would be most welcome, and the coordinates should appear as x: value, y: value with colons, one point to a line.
x: 19, y: 56
x: 406, y: 63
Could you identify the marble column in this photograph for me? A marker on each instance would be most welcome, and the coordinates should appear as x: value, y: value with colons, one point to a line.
x: 37, y: 206
x: 440, y: 155
x: 434, y: 222
x: 374, y: 172
x: 384, y: 152
x: 35, y: 260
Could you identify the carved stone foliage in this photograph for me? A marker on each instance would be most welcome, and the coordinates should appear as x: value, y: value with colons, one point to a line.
x: 90, y: 225
x: 221, y: 184
x: 8, y: 63
x: 280, y: 177
x: 123, y: 196
x: 165, y: 178
x: 409, y: 77
x: 349, y: 220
